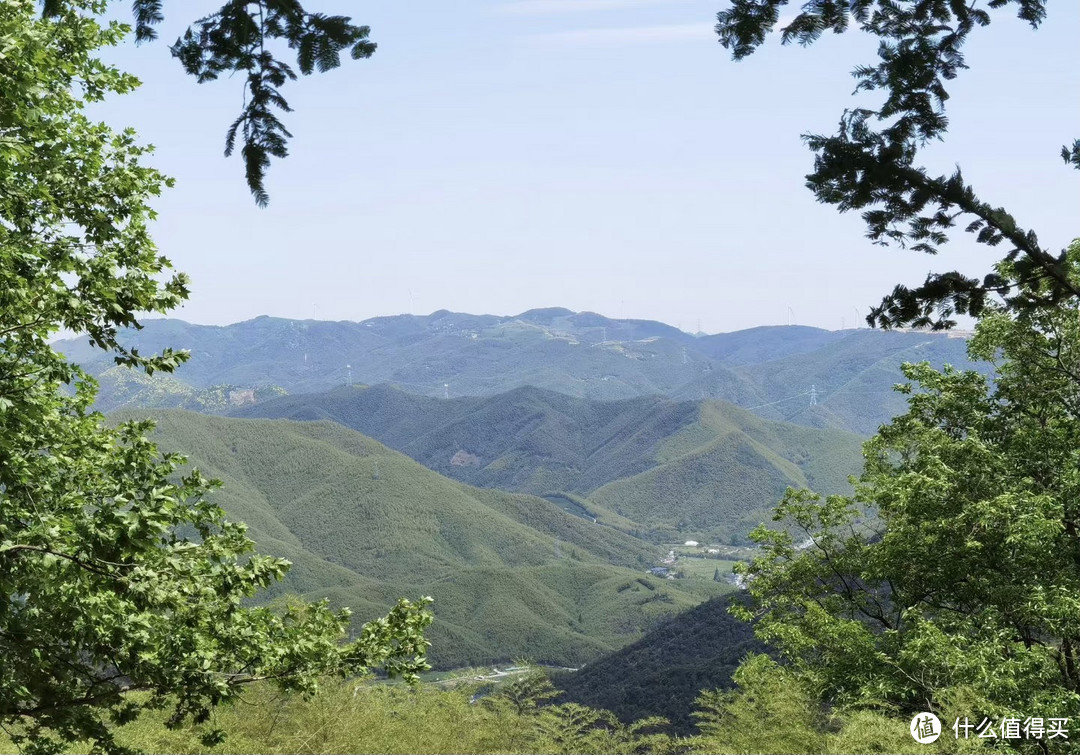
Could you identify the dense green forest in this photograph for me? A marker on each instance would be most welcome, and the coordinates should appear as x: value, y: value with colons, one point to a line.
x: 512, y: 575
x: 663, y: 673
x: 769, y: 713
x: 661, y: 468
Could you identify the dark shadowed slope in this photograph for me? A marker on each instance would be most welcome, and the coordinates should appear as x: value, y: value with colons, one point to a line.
x: 662, y: 673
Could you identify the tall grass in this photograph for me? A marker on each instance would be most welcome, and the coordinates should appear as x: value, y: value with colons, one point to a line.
x: 769, y: 713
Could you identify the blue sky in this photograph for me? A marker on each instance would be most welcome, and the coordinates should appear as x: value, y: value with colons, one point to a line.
x: 604, y: 155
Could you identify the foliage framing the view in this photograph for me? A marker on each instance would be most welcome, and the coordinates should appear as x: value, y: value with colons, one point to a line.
x: 967, y: 581
x: 870, y: 163
x: 116, y: 572
x: 235, y: 39
x: 959, y: 592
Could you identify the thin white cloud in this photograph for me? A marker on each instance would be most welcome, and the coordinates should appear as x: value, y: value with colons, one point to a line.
x: 628, y: 35
x: 570, y: 6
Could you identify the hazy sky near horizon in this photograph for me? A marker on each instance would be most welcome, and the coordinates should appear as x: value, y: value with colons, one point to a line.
x: 605, y: 155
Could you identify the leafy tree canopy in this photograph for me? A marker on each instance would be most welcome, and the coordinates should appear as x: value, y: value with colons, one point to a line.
x: 870, y: 164
x: 117, y: 573
x: 238, y: 38
x: 966, y: 583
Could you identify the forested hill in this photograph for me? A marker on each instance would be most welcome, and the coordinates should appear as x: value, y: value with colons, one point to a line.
x: 771, y: 370
x: 513, y: 576
x: 662, y: 673
x: 702, y: 468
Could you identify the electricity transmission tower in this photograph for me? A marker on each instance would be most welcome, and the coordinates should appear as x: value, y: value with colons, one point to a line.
x: 813, y: 395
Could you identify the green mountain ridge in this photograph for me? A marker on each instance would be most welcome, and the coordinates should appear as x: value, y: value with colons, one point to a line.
x: 673, y: 467
x: 512, y: 575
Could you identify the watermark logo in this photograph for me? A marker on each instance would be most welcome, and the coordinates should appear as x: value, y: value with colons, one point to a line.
x: 1032, y: 727
x: 925, y: 728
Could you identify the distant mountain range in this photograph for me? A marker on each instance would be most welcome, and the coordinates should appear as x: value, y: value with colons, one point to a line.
x: 650, y: 466
x: 814, y: 377
x: 513, y: 576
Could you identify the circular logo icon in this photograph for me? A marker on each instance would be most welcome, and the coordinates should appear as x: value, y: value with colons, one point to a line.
x: 925, y: 728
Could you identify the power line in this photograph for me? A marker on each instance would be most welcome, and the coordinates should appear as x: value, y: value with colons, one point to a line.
x: 779, y: 401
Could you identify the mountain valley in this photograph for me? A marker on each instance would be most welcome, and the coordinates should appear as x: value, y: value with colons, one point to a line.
x: 512, y: 575
x: 528, y: 472
x: 668, y: 468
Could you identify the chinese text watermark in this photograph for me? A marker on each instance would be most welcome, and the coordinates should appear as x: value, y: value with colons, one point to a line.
x: 926, y: 728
